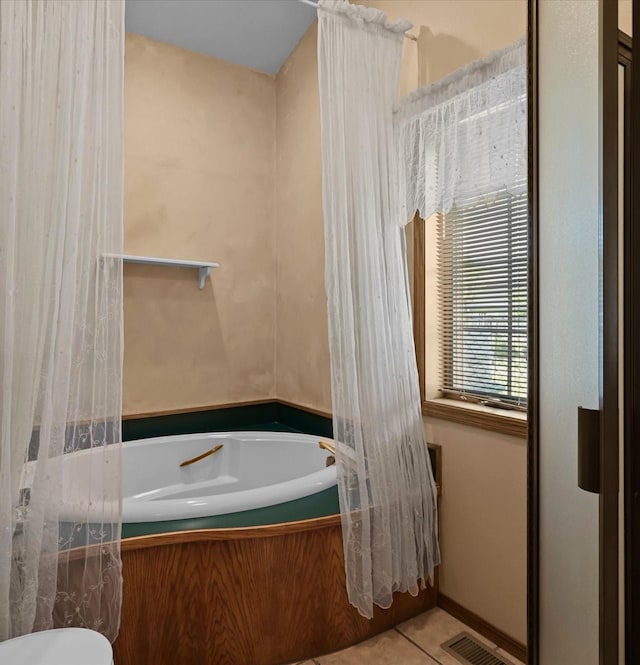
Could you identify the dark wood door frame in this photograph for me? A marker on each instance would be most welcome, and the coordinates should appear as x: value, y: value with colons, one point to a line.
x: 632, y: 360
x: 609, y: 335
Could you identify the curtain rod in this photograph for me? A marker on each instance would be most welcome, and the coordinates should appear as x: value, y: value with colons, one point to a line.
x: 406, y: 35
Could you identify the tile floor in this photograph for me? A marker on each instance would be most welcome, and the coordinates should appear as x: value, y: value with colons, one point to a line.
x: 415, y: 642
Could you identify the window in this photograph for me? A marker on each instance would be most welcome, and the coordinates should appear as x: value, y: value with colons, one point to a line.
x: 464, y: 156
x: 482, y: 300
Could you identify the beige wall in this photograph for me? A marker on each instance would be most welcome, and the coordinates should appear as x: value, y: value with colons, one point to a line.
x: 483, y: 511
x: 625, y: 16
x: 199, y: 184
x: 302, y: 349
x: 453, y: 32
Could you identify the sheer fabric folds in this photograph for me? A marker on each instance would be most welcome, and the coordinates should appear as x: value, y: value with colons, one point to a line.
x: 463, y: 139
x: 385, y: 483
x: 61, y: 151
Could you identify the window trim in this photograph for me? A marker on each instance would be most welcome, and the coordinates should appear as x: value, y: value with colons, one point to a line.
x: 513, y: 423
x: 476, y: 415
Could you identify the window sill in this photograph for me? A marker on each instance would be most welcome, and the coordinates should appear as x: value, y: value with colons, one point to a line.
x: 513, y: 423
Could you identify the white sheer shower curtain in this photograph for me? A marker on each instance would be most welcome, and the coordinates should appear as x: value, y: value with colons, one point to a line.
x: 61, y: 197
x: 386, y: 488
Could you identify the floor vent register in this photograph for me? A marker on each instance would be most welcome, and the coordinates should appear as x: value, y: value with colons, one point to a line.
x: 470, y: 651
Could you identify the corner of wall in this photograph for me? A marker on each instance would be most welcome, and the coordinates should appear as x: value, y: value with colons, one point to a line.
x: 302, y: 349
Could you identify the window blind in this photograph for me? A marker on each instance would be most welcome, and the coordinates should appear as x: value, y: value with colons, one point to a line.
x: 482, y: 283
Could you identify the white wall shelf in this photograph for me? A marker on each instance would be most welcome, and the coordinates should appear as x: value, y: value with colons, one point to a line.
x: 204, y: 268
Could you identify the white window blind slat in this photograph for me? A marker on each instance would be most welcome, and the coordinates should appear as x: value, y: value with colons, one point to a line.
x: 482, y: 290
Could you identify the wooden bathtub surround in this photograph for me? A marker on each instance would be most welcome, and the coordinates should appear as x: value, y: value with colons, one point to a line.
x: 253, y: 596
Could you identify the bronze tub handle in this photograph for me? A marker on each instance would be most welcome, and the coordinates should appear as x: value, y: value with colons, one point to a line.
x: 325, y: 445
x: 193, y: 460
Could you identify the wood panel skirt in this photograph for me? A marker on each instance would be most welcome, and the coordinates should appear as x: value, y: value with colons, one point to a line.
x: 253, y: 596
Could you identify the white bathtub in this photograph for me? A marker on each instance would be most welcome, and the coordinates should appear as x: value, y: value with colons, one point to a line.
x: 252, y: 470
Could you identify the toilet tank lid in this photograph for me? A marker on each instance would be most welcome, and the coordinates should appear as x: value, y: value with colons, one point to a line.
x: 62, y: 646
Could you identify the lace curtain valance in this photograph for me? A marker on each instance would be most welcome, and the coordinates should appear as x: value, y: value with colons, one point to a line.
x: 464, y: 139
